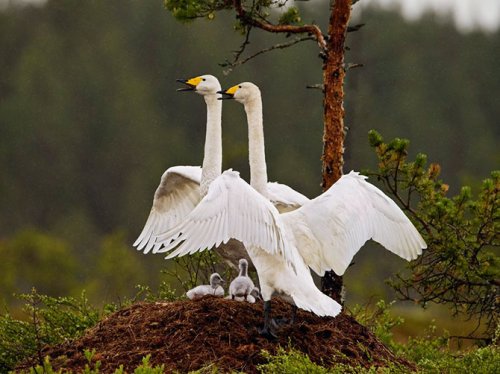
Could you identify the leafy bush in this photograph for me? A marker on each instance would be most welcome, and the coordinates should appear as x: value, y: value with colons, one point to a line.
x: 431, y: 352
x: 164, y: 293
x: 295, y: 362
x: 94, y: 368
x: 49, y: 321
x: 379, y: 320
x: 290, y: 361
x: 433, y: 355
x: 460, y: 268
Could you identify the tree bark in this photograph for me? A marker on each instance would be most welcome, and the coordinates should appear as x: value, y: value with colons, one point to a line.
x: 333, y: 116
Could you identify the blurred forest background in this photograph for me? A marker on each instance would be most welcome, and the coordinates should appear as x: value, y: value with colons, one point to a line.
x: 89, y: 120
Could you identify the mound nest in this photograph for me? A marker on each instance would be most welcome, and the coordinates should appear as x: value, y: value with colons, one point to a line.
x: 188, y: 335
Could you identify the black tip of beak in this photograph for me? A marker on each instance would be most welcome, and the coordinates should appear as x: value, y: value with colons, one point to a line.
x: 188, y: 88
x: 225, y: 95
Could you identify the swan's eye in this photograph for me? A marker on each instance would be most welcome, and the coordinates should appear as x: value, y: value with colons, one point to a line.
x: 239, y: 86
x: 203, y: 79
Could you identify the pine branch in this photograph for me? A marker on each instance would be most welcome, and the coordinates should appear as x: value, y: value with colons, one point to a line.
x: 248, y: 19
x: 236, y: 62
x: 239, y: 52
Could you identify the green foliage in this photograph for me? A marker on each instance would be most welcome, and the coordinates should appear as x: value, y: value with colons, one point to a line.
x: 146, y: 367
x: 164, y: 293
x: 94, y: 367
x: 432, y: 354
x: 460, y: 267
x: 481, y: 361
x: 189, y: 10
x: 379, y: 320
x: 293, y: 361
x: 290, y: 361
x: 190, y: 271
x: 290, y: 17
x: 91, y: 368
x: 48, y: 320
x: 44, y: 368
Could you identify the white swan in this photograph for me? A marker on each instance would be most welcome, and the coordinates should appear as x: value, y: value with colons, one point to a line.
x: 242, y: 286
x: 214, y: 288
x: 355, y: 211
x: 182, y: 187
x: 271, y: 259
x: 323, y: 234
x: 329, y: 230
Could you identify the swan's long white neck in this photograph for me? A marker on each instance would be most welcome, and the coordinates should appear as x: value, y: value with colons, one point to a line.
x: 212, y: 158
x: 243, y: 270
x: 256, y: 149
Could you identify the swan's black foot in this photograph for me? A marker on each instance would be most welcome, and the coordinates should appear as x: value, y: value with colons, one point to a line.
x: 294, y: 314
x: 280, y: 321
x: 269, y: 324
x: 268, y: 332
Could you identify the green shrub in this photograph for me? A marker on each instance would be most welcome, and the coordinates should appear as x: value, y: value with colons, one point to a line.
x: 49, y: 320
x: 379, y: 320
x: 434, y: 355
x: 460, y: 268
x: 294, y: 362
x: 290, y: 361
x: 431, y: 352
x: 94, y: 368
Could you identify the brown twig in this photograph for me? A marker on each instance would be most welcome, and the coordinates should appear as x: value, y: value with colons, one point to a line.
x: 237, y: 62
x: 248, y: 19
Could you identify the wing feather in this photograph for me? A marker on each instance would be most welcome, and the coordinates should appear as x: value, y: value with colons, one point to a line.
x: 231, y: 209
x: 330, y: 229
x: 285, y: 198
x: 177, y: 195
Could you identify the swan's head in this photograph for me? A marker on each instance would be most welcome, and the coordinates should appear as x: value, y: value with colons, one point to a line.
x: 256, y: 293
x: 203, y: 85
x: 243, y: 92
x: 216, y: 280
x: 243, y: 263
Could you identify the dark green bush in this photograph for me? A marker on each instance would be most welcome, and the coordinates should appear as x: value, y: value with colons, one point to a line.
x: 48, y: 320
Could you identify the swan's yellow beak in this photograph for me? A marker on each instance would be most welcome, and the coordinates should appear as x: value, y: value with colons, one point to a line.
x: 229, y: 93
x: 190, y: 83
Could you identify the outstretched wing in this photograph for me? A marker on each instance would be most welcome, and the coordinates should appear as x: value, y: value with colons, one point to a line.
x: 231, y: 209
x: 330, y: 229
x: 285, y: 198
x: 176, y: 196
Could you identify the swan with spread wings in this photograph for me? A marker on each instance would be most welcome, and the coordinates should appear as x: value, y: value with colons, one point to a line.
x: 324, y: 234
x: 182, y: 187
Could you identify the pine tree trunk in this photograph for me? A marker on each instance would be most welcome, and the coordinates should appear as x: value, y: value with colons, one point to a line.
x: 333, y: 136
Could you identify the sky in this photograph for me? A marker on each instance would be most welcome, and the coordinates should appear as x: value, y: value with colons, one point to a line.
x: 468, y: 14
